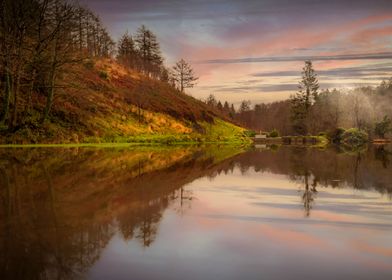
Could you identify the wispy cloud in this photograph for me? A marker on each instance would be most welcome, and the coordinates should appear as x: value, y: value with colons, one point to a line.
x: 362, y: 56
x: 378, y: 71
x: 278, y: 87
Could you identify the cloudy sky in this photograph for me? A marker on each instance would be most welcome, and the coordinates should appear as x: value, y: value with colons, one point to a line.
x: 254, y: 49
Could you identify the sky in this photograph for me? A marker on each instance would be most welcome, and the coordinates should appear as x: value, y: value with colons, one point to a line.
x: 255, y: 49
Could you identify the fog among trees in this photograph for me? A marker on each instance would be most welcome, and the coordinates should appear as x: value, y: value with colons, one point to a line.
x: 311, y: 111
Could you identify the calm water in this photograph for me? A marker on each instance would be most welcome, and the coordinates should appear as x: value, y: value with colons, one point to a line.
x: 196, y: 213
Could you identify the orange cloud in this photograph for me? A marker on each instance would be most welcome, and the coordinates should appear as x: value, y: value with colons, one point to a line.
x: 371, y: 34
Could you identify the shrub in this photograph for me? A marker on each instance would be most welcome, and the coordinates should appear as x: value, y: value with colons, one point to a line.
x: 89, y: 64
x: 274, y: 133
x: 103, y: 75
x: 250, y: 133
x: 355, y: 137
x: 337, y: 135
x: 383, y: 127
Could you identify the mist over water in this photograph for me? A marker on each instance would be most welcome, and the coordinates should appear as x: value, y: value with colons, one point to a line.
x: 200, y: 213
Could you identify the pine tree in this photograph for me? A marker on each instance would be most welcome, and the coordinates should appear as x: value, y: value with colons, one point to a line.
x: 226, y: 108
x: 232, y: 111
x: 304, y: 99
x: 211, y: 100
x: 127, y: 54
x: 219, y: 106
x: 183, y: 75
x: 149, y: 51
x: 245, y: 106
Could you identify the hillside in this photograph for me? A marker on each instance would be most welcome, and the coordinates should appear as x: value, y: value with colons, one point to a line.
x: 101, y: 101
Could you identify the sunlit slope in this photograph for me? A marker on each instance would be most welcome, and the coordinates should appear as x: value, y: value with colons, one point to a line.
x: 101, y: 101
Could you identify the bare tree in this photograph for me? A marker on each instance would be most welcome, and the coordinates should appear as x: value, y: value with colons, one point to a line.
x: 183, y: 75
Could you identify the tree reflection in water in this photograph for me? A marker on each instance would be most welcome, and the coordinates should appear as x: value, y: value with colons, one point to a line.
x: 60, y: 208
x: 309, y: 194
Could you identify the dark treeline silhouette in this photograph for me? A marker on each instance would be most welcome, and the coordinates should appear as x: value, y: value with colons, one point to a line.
x: 227, y: 109
x: 38, y: 39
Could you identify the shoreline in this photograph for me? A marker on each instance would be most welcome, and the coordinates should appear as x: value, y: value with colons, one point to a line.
x: 120, y: 145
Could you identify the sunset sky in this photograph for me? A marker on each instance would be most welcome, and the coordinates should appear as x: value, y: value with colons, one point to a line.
x: 254, y: 49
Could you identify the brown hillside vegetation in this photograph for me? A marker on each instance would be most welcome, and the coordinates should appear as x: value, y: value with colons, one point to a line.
x: 133, y: 88
x: 101, y: 101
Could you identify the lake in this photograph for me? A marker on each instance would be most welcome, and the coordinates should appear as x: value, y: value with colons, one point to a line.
x: 214, y: 212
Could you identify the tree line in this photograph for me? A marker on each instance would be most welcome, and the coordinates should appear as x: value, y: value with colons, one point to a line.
x: 142, y: 53
x: 311, y: 111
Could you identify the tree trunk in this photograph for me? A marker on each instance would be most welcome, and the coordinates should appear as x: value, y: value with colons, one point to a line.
x: 49, y: 100
x: 182, y: 82
x: 16, y: 98
x: 29, y: 104
x: 6, y: 105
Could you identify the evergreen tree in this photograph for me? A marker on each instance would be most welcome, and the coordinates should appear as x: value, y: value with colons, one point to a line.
x: 219, y: 106
x: 211, y: 100
x: 245, y: 106
x: 304, y: 99
x: 126, y: 53
x: 149, y: 51
x: 232, y: 111
x: 226, y: 108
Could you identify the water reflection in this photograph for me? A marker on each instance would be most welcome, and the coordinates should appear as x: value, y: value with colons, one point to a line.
x: 61, y: 208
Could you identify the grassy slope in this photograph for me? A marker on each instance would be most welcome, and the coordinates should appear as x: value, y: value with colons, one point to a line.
x: 101, y: 101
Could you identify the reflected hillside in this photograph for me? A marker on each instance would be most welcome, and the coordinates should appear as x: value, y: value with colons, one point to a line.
x: 59, y: 207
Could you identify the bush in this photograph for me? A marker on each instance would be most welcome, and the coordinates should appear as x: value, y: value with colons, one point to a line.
x: 89, y: 64
x: 103, y: 75
x: 274, y: 133
x: 383, y: 127
x: 337, y: 135
x: 250, y: 133
x: 355, y: 137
